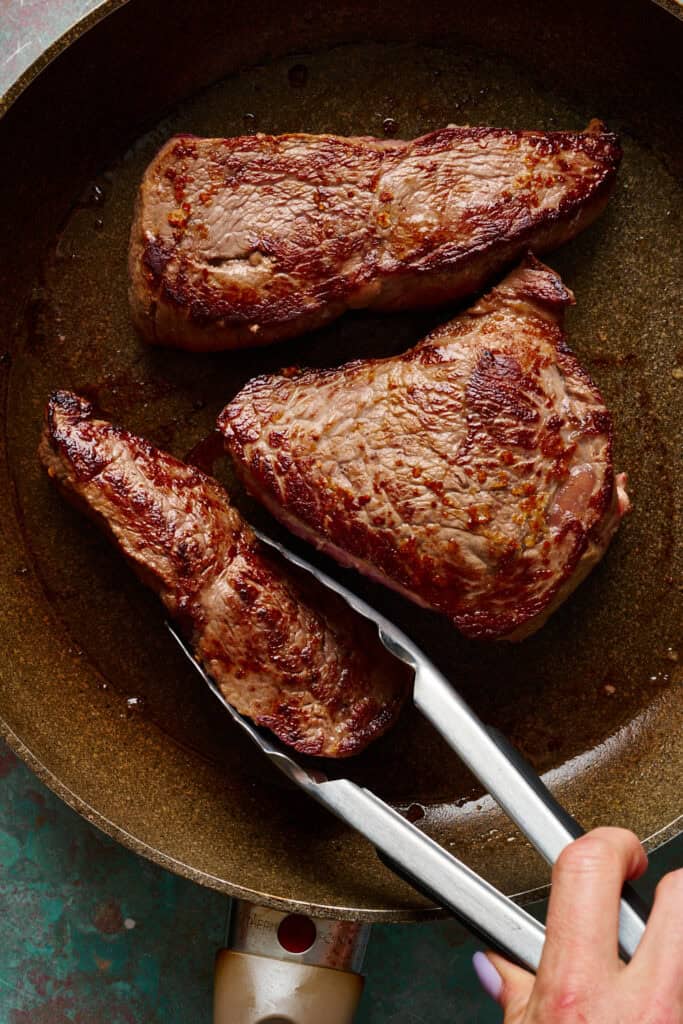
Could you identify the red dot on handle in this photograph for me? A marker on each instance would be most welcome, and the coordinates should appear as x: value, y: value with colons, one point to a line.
x: 296, y: 933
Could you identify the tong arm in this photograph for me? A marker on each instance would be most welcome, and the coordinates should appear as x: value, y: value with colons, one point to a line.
x: 485, y: 911
x: 409, y: 852
x: 513, y: 784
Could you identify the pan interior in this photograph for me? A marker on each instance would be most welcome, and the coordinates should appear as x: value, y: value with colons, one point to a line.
x: 585, y: 696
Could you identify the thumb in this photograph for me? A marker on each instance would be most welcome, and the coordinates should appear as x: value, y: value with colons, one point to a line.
x: 509, y: 985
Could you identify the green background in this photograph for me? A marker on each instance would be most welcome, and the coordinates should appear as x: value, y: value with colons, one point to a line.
x: 89, y: 932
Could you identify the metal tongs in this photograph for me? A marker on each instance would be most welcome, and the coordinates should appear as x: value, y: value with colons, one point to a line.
x: 512, y: 783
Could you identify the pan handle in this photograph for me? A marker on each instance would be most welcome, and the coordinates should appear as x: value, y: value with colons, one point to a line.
x: 251, y: 989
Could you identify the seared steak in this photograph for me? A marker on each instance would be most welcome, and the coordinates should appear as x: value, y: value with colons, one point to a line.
x: 474, y: 473
x: 283, y: 649
x: 245, y: 241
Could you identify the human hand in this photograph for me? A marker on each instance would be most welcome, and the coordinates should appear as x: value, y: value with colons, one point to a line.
x: 581, y: 979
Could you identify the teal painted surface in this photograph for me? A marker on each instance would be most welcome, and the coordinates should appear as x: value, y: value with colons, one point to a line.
x: 89, y: 932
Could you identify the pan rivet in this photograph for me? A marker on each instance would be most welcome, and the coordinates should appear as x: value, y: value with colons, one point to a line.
x: 296, y: 933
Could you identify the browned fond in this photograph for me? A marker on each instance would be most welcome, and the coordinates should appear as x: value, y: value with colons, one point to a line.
x: 244, y: 241
x: 473, y: 473
x: 283, y: 650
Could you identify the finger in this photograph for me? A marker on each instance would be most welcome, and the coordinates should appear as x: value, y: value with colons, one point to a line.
x: 659, y: 956
x: 509, y: 985
x: 583, y: 914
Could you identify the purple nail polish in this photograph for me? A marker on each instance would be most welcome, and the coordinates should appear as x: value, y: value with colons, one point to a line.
x: 489, y: 978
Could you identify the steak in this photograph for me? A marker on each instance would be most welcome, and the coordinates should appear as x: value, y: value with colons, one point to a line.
x: 473, y: 474
x: 284, y: 650
x: 246, y: 241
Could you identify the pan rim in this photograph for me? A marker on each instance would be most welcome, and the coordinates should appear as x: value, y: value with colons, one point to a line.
x: 414, y: 914
x: 107, y: 7
x: 204, y: 878
x: 58, y: 46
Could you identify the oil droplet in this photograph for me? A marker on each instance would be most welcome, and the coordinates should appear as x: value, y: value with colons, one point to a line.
x: 94, y: 195
x: 249, y: 121
x: 298, y: 76
x: 389, y: 126
x: 99, y: 224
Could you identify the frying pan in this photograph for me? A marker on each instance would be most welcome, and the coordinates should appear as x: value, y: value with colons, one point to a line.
x: 92, y: 693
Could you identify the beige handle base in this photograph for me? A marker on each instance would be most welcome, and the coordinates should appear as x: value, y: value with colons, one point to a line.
x: 250, y: 989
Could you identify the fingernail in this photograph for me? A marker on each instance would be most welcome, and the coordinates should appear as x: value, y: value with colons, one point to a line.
x: 489, y: 978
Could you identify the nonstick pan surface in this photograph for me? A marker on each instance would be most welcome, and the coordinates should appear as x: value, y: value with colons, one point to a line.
x: 92, y: 693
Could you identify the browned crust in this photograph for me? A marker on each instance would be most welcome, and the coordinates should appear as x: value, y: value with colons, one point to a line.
x: 356, y: 250
x: 277, y: 465
x: 284, y: 650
